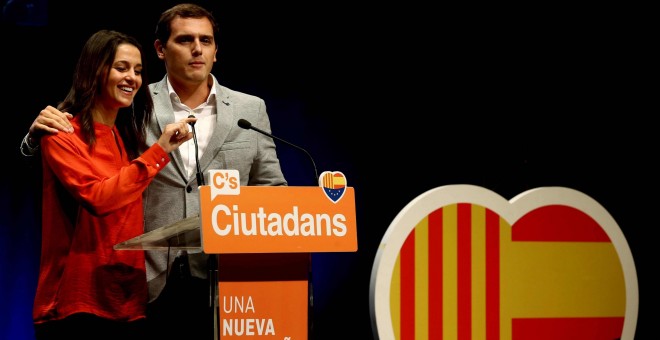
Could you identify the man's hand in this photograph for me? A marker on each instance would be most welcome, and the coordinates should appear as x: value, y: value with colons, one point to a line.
x: 50, y: 120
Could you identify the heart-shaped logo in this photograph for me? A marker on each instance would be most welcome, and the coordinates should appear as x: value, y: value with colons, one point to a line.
x: 461, y: 262
x: 334, y: 184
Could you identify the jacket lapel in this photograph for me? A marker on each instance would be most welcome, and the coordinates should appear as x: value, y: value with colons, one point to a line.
x: 164, y: 114
x: 223, y: 124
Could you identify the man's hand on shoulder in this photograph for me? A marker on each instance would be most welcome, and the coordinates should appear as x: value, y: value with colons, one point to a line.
x: 50, y: 120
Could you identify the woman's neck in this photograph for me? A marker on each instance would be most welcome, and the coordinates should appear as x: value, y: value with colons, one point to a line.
x: 104, y: 116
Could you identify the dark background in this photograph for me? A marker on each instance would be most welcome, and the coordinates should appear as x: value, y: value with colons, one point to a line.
x: 400, y: 99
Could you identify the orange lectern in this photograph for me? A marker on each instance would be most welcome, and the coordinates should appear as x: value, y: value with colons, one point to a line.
x: 262, y: 238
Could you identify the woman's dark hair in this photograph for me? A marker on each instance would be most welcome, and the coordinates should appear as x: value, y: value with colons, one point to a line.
x: 163, y: 29
x: 92, y: 70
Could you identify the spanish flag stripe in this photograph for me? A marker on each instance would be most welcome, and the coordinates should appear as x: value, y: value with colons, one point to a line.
x: 567, y: 328
x: 339, y: 179
x: 555, y: 223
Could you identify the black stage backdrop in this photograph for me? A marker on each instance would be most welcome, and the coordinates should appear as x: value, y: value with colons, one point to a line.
x: 400, y: 99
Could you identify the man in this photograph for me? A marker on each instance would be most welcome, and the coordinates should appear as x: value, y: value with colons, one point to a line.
x: 185, y: 41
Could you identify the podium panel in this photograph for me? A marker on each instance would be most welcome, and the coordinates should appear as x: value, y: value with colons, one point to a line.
x: 264, y: 237
x: 263, y: 295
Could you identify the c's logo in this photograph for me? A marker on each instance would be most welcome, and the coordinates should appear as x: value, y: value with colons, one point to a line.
x: 225, y: 182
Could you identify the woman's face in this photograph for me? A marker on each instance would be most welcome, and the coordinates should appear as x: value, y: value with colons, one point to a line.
x: 124, y: 79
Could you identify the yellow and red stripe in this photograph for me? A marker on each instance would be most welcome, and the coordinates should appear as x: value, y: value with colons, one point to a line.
x: 464, y: 273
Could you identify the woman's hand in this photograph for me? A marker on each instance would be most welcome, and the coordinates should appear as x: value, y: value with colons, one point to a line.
x: 176, y: 134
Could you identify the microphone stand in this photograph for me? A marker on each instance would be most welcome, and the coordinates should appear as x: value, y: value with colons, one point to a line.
x: 310, y: 292
x: 213, y: 258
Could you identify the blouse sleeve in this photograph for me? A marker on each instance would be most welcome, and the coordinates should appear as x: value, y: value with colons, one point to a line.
x: 100, y: 182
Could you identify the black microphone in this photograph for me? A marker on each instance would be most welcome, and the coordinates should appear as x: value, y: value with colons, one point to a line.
x: 247, y: 125
x: 212, y: 261
x: 200, y: 176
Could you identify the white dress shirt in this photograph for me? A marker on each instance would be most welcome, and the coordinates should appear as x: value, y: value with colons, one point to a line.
x: 206, y: 114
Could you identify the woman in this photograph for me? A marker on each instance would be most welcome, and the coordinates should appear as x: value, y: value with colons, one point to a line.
x: 93, y: 179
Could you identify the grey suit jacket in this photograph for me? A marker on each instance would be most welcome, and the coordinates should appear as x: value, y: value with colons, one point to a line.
x: 173, y: 195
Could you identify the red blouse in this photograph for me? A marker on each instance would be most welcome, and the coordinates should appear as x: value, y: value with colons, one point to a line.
x: 92, y: 200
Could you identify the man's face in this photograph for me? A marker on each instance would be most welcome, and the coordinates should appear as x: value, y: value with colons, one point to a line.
x: 189, y: 54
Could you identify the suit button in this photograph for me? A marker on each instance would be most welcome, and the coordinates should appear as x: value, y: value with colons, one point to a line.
x: 189, y: 189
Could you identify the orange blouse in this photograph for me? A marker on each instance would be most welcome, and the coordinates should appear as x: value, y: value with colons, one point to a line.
x: 91, y: 201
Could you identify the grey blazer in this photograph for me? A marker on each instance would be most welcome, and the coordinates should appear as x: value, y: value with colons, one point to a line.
x: 173, y: 195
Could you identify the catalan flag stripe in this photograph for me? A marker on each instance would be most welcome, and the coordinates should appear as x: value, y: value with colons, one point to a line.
x: 434, y: 269
x: 464, y: 284
x: 492, y: 275
x: 407, y: 279
x: 327, y: 180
